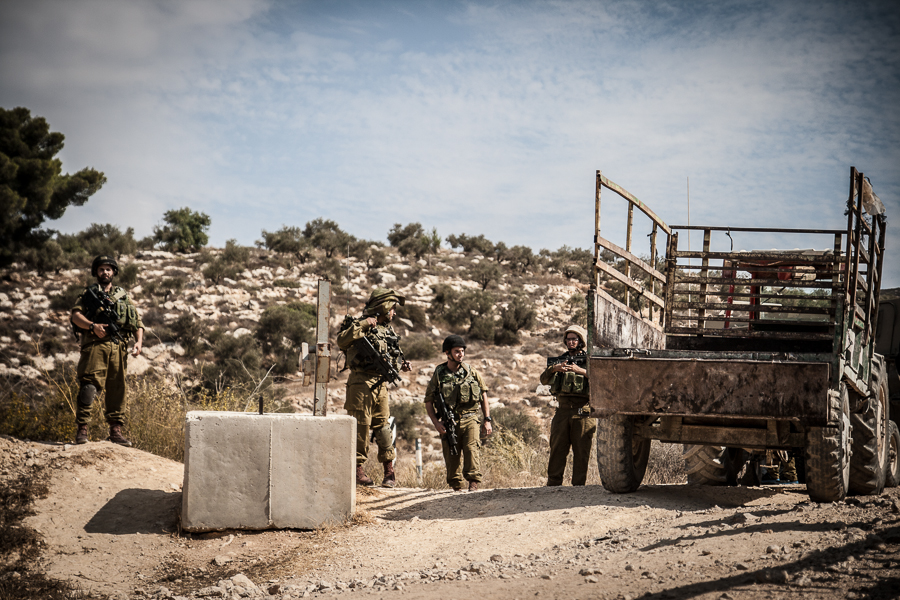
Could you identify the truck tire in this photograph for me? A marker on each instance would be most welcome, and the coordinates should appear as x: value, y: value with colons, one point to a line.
x: 828, y: 452
x: 892, y: 479
x: 869, y: 461
x: 621, y: 454
x: 713, y: 465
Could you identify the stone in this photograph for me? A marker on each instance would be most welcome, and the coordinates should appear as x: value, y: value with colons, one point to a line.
x: 221, y: 560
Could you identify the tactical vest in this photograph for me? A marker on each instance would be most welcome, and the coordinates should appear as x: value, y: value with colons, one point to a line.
x: 383, y: 339
x: 570, y: 384
x: 461, y: 396
x: 126, y: 313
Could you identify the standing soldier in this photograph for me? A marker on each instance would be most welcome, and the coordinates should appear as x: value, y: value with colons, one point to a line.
x: 367, y: 395
x: 572, y: 425
x: 463, y: 391
x: 107, y: 318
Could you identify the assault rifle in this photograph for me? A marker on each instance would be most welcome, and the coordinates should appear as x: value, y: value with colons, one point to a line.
x: 447, y: 419
x: 578, y: 359
x: 105, y: 313
x: 384, y: 367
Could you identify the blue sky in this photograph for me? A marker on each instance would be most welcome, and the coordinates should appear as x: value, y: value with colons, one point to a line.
x: 472, y: 117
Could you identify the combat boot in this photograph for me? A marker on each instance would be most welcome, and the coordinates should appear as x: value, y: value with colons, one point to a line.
x: 390, y: 479
x: 362, y: 478
x: 81, y: 437
x: 473, y: 486
x: 115, y: 435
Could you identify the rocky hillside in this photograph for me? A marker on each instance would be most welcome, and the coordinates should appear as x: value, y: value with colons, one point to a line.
x: 189, y: 308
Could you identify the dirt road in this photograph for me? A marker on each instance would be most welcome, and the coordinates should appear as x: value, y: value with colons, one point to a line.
x: 109, y: 525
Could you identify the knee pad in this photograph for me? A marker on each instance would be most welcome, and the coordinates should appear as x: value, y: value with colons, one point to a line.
x: 87, y: 394
x: 384, y: 436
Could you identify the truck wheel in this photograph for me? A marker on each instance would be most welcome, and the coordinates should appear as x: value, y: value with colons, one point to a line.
x: 892, y: 479
x: 713, y: 465
x: 869, y: 461
x: 828, y: 452
x: 621, y: 453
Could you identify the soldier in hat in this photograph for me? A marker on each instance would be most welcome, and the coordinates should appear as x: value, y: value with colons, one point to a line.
x: 464, y: 392
x: 572, y: 426
x: 367, y: 395
x: 104, y: 356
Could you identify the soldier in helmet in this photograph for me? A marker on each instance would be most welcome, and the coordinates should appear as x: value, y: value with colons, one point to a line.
x: 464, y: 393
x: 104, y: 358
x: 367, y: 395
x: 572, y: 426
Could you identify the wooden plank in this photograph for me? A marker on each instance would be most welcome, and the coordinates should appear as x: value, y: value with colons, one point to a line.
x: 623, y: 253
x: 799, y: 310
x: 818, y: 284
x: 799, y: 335
x: 602, y: 266
x: 641, y: 206
x: 749, y: 257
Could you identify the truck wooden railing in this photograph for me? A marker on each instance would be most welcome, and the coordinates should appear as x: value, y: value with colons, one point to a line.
x: 796, y: 295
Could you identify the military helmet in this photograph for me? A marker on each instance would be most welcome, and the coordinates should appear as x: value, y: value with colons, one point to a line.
x: 577, y: 330
x: 451, y: 342
x: 381, y: 301
x: 104, y: 260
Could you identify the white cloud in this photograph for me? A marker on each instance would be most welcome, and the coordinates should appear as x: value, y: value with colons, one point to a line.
x: 470, y: 117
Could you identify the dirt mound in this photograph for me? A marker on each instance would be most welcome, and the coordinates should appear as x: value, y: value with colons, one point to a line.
x: 109, y: 526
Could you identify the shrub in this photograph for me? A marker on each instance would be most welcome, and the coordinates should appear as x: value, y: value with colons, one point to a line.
x: 288, y: 240
x: 218, y: 269
x: 326, y: 235
x: 485, y: 273
x: 519, y: 423
x: 412, y: 239
x: 573, y: 263
x: 69, y: 297
x: 235, y: 254
x: 577, y: 304
x: 409, y: 418
x: 418, y: 346
x: 104, y: 239
x: 237, y: 361
x: 518, y: 314
x: 184, y: 231
x: 471, y: 244
x: 414, y: 313
x: 128, y: 275
x: 286, y: 283
x: 291, y: 322
x: 188, y: 330
x: 474, y: 310
x: 49, y: 256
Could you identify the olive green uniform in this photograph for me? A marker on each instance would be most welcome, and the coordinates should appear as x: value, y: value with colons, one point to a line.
x: 104, y: 362
x: 571, y: 426
x: 368, y: 404
x: 462, y: 392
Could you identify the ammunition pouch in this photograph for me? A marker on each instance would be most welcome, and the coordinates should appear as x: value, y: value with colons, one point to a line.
x: 568, y: 383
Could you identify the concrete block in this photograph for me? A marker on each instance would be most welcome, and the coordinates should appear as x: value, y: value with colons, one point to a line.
x: 251, y: 471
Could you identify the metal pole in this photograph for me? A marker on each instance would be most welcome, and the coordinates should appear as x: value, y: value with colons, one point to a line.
x: 419, y: 459
x: 323, y: 348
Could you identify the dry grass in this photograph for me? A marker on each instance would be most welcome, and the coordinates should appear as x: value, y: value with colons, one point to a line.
x: 508, y: 462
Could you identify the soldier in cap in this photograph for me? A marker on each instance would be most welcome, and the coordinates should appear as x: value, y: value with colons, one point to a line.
x: 464, y: 392
x: 104, y: 357
x: 367, y: 395
x: 572, y: 426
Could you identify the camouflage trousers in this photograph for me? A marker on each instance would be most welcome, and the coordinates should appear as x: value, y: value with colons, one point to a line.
x: 569, y: 429
x: 102, y: 365
x: 371, y: 411
x: 464, y: 465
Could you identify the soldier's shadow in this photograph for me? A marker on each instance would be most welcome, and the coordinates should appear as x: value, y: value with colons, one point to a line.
x: 517, y: 501
x: 136, y: 511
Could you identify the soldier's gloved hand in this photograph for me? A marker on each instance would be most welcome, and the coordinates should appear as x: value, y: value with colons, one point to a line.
x: 406, y: 366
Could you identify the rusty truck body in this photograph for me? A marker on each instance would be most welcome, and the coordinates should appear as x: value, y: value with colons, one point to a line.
x: 728, y: 351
